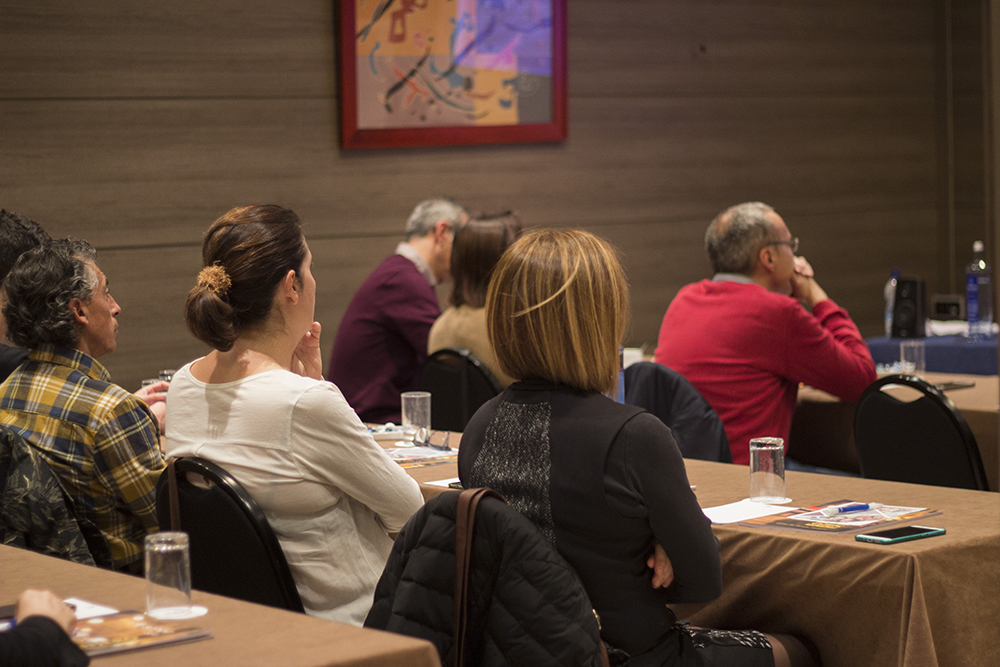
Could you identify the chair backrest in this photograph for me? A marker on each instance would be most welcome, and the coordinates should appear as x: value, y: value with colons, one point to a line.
x: 664, y: 392
x: 459, y: 383
x: 234, y: 551
x: 924, y: 441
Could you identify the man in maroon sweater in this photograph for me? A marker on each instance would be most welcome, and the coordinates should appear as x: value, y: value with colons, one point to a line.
x: 762, y: 325
x: 381, y: 343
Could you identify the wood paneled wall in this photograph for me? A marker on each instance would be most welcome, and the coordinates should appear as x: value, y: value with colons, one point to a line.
x: 964, y: 166
x: 135, y: 125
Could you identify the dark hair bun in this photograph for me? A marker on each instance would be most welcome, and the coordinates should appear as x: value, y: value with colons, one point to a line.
x: 246, y: 254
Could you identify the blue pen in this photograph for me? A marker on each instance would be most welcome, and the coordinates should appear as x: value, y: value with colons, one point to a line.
x: 843, y: 509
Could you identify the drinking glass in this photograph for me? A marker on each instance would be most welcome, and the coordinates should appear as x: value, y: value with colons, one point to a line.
x: 911, y: 357
x: 416, y: 411
x: 767, y: 470
x: 168, y: 575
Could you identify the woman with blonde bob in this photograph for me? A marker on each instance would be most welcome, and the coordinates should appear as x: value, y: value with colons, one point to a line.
x: 604, y: 482
x: 257, y: 406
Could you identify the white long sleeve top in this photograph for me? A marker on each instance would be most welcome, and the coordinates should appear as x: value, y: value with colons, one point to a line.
x: 329, y: 491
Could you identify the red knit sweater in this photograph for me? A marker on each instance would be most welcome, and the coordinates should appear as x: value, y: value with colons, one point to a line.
x: 747, y: 349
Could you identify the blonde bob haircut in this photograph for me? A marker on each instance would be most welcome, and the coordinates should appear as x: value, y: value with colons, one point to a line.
x: 557, y: 308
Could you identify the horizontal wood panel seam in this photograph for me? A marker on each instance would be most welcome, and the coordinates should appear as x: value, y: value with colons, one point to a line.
x: 793, y: 213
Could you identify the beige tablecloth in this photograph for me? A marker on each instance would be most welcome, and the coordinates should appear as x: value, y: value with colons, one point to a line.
x: 916, y: 604
x: 244, y: 633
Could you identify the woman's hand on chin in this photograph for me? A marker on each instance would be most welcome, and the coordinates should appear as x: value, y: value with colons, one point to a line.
x: 306, y: 359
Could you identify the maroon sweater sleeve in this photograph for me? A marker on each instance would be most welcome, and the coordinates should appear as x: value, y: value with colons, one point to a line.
x: 826, y: 351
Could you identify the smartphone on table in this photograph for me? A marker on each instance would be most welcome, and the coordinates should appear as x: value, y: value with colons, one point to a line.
x: 901, y: 534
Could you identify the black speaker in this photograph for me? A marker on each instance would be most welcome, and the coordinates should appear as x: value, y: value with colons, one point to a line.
x: 909, y: 309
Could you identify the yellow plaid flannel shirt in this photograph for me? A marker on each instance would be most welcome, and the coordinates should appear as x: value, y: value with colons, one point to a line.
x: 98, y: 438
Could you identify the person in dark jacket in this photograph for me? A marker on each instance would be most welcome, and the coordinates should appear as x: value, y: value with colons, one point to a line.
x: 604, y: 482
x: 41, y: 636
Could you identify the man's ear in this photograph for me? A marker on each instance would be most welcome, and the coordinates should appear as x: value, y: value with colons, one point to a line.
x: 79, y: 310
x: 765, y: 258
x: 441, y: 228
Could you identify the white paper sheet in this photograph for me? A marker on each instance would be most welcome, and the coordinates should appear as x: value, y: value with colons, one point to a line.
x: 87, y: 609
x: 442, y: 482
x: 405, y: 454
x: 742, y: 511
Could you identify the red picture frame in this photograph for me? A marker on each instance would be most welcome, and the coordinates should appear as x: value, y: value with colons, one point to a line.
x: 401, y: 91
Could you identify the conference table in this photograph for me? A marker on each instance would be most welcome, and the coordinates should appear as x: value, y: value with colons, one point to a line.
x: 243, y: 633
x: 822, y: 431
x: 915, y: 604
x: 942, y: 354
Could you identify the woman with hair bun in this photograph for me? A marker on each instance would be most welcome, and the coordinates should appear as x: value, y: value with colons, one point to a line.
x: 604, y: 482
x: 257, y: 406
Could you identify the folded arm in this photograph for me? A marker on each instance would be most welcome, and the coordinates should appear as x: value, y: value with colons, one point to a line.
x: 332, y: 444
x: 685, y: 557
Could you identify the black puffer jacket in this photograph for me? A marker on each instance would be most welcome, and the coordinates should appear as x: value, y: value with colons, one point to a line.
x: 526, y: 604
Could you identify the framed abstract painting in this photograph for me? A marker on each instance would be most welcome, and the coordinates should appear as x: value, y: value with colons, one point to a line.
x: 450, y: 72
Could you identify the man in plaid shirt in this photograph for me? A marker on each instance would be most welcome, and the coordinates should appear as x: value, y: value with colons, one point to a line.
x: 99, y: 439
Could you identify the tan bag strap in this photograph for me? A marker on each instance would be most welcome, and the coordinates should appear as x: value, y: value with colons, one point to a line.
x: 175, y: 505
x: 465, y: 518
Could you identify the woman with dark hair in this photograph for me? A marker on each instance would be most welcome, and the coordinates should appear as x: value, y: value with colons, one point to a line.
x: 475, y: 252
x: 603, y: 481
x: 258, y: 406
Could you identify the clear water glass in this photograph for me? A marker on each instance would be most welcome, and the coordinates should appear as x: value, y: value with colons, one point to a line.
x: 767, y: 470
x: 168, y: 575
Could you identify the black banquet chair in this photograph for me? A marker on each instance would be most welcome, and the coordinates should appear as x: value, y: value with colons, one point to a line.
x: 923, y: 441
x: 234, y: 551
x: 664, y: 392
x: 459, y: 383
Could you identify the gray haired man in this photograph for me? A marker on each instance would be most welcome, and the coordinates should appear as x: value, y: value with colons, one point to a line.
x: 381, y: 343
x: 99, y: 439
x: 762, y: 325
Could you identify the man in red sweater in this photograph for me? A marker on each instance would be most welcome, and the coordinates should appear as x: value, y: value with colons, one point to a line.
x: 749, y: 336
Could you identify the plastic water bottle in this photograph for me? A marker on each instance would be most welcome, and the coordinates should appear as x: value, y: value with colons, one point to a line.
x: 979, y: 294
x: 890, y: 300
